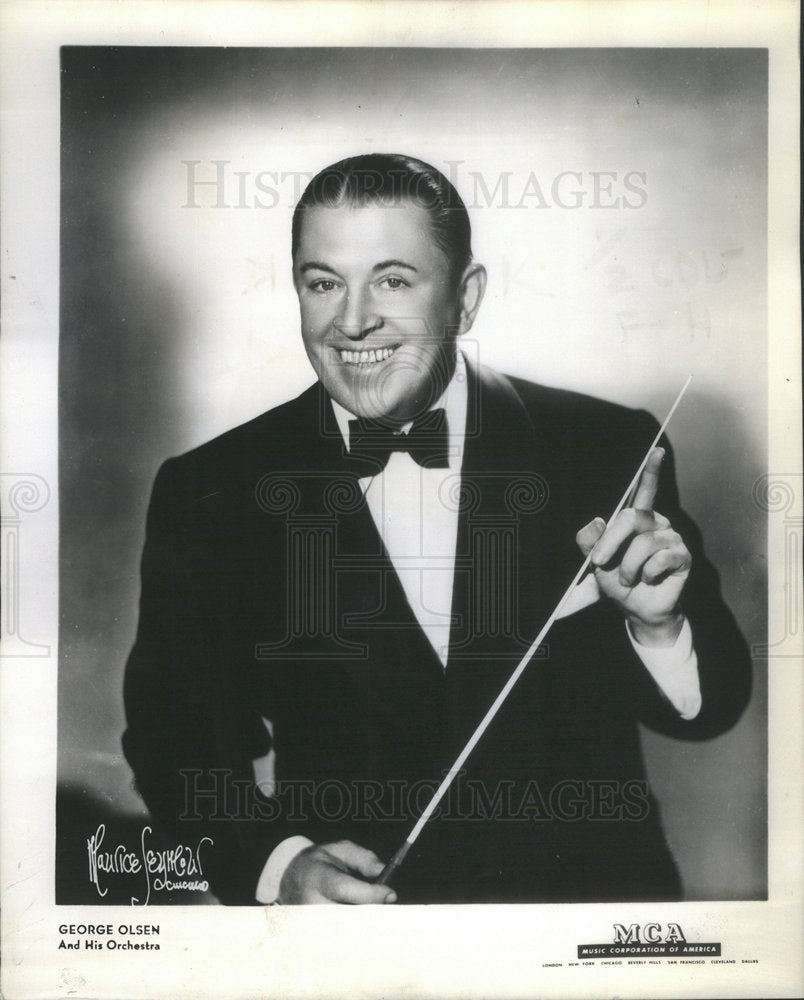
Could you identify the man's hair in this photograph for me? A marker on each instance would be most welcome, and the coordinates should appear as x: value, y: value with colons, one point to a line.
x: 391, y: 179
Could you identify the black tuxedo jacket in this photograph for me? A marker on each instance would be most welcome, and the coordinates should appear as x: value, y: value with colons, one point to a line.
x: 267, y: 594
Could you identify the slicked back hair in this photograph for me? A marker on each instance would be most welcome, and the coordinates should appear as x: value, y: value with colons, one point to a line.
x: 393, y: 179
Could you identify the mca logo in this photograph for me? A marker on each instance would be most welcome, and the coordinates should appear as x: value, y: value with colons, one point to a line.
x: 649, y: 942
x: 648, y: 934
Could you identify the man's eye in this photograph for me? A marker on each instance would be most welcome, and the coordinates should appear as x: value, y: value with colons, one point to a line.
x: 393, y: 283
x: 322, y: 285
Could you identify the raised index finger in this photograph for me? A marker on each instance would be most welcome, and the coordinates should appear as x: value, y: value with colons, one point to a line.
x: 649, y: 481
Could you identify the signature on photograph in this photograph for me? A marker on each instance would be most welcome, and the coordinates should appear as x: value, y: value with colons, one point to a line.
x: 173, y: 869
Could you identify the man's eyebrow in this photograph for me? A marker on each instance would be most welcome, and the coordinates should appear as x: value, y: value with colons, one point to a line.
x: 393, y: 263
x: 316, y: 265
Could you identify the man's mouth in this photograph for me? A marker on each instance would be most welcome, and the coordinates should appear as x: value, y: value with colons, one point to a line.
x: 367, y: 357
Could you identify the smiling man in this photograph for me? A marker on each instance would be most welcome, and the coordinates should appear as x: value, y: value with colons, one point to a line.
x: 381, y: 302
x: 334, y: 594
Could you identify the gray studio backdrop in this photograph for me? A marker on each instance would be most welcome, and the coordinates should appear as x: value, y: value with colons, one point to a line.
x: 618, y: 199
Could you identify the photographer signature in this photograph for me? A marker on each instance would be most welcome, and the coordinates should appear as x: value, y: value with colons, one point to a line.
x: 177, y: 868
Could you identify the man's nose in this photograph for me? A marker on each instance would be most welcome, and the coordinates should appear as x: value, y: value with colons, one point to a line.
x: 356, y: 319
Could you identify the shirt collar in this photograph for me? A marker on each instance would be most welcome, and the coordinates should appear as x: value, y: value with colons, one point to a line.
x: 454, y: 400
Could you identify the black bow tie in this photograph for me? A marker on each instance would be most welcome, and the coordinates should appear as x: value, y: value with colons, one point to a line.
x: 371, y: 442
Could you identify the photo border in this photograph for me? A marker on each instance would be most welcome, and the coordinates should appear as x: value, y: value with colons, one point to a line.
x: 485, y: 951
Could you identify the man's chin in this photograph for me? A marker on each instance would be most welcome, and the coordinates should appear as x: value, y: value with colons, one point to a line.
x: 375, y: 404
x: 371, y: 410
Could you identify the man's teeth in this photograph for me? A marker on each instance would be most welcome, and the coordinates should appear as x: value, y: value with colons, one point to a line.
x: 366, y: 357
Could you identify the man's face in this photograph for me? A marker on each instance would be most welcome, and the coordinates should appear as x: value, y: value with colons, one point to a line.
x: 378, y: 310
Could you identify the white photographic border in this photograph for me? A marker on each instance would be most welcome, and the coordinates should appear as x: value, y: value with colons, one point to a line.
x: 273, y: 952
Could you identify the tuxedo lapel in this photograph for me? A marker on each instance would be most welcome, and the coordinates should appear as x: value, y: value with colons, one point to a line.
x: 510, y: 535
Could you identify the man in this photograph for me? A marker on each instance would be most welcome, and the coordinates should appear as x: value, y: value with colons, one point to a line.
x: 343, y: 585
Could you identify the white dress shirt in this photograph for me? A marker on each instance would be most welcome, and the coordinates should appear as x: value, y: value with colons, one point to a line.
x: 416, y: 514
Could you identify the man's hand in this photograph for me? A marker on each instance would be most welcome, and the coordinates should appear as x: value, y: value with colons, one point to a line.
x: 334, y: 873
x: 639, y: 562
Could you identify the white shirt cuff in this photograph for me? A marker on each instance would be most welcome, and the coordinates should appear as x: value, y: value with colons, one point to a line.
x: 275, y: 867
x: 675, y: 670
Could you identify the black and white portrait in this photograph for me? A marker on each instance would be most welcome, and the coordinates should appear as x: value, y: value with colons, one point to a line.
x: 359, y: 350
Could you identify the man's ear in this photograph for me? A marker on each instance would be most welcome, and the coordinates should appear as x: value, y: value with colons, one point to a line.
x: 471, y: 290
